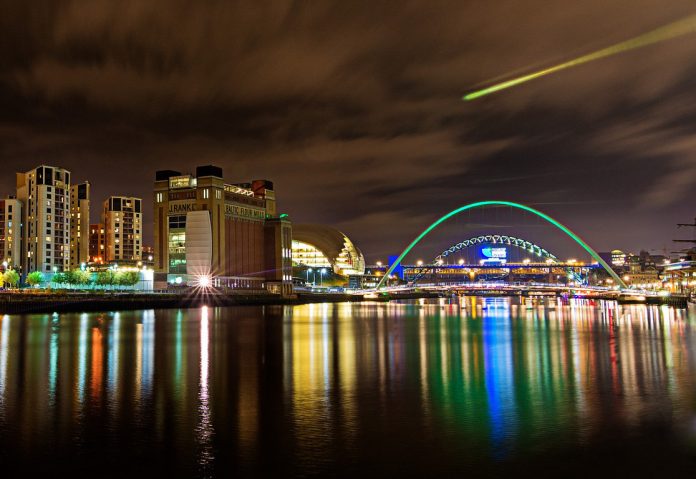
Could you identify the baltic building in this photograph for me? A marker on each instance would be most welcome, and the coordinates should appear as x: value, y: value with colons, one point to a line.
x: 230, y: 232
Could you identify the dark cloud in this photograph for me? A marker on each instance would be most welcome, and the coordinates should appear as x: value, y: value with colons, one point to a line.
x: 354, y: 110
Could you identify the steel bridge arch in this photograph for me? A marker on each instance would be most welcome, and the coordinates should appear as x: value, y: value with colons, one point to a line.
x: 480, y: 204
x: 489, y: 239
x: 498, y: 239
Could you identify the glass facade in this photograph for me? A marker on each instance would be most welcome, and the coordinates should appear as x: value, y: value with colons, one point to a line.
x: 309, y: 255
x: 177, y: 252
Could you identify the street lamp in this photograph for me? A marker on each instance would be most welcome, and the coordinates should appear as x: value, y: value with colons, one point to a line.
x: 321, y: 277
x: 309, y: 270
x: 419, y: 262
x: 379, y: 264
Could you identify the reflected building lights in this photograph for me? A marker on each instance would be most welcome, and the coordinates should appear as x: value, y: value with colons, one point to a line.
x: 113, y: 384
x: 496, y: 376
x: 53, y: 360
x: 96, y: 377
x: 82, y: 347
x: 205, y: 426
x: 4, y: 353
x: 147, y: 367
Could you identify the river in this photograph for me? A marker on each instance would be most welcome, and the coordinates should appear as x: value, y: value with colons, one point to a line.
x: 467, y: 386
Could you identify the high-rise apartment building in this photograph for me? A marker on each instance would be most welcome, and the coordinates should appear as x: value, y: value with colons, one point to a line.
x: 123, y: 224
x: 230, y: 231
x: 10, y: 232
x: 45, y: 195
x: 79, y: 224
x: 97, y: 243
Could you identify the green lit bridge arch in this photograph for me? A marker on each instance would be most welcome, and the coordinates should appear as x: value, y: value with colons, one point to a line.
x: 518, y: 206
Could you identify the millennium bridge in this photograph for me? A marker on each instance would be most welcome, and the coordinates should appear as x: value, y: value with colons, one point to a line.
x: 539, y: 273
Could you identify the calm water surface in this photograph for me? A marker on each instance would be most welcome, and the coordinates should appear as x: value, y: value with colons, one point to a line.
x: 439, y: 388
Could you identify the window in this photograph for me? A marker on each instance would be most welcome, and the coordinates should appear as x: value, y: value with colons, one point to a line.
x: 206, y: 193
x: 177, y: 253
x: 159, y: 197
x: 178, y: 221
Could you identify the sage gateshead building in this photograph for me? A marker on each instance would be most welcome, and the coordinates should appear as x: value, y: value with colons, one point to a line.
x: 321, y: 246
x: 228, y: 235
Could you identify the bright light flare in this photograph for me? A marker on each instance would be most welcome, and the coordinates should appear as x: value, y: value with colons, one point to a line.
x: 667, y: 32
x: 204, y: 281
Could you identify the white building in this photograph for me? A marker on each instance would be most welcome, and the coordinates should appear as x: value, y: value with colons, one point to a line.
x: 45, y: 194
x: 79, y: 225
x: 123, y: 224
x: 10, y: 232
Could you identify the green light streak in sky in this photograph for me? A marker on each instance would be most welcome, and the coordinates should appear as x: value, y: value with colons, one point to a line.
x: 480, y: 204
x: 673, y: 30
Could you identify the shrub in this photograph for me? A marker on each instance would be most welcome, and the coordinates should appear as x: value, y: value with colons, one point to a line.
x: 106, y: 278
x: 81, y: 278
x: 11, y: 278
x: 127, y: 278
x: 35, y: 278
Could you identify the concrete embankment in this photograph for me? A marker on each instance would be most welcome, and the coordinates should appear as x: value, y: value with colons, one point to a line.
x: 36, y: 302
x: 76, y: 302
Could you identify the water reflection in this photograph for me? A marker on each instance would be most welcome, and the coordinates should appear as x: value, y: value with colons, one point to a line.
x: 326, y: 387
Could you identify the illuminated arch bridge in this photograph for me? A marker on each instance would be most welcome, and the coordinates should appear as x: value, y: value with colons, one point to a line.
x: 519, y: 206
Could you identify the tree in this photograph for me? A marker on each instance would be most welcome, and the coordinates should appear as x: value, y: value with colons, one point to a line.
x: 70, y: 278
x: 81, y: 278
x: 59, y: 278
x: 127, y: 278
x: 11, y: 278
x: 35, y: 278
x: 106, y: 278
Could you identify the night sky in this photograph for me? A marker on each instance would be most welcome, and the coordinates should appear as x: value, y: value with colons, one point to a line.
x: 354, y: 108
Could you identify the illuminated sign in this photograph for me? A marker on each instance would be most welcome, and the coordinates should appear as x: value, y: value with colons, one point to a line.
x: 181, y: 207
x: 494, y: 253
